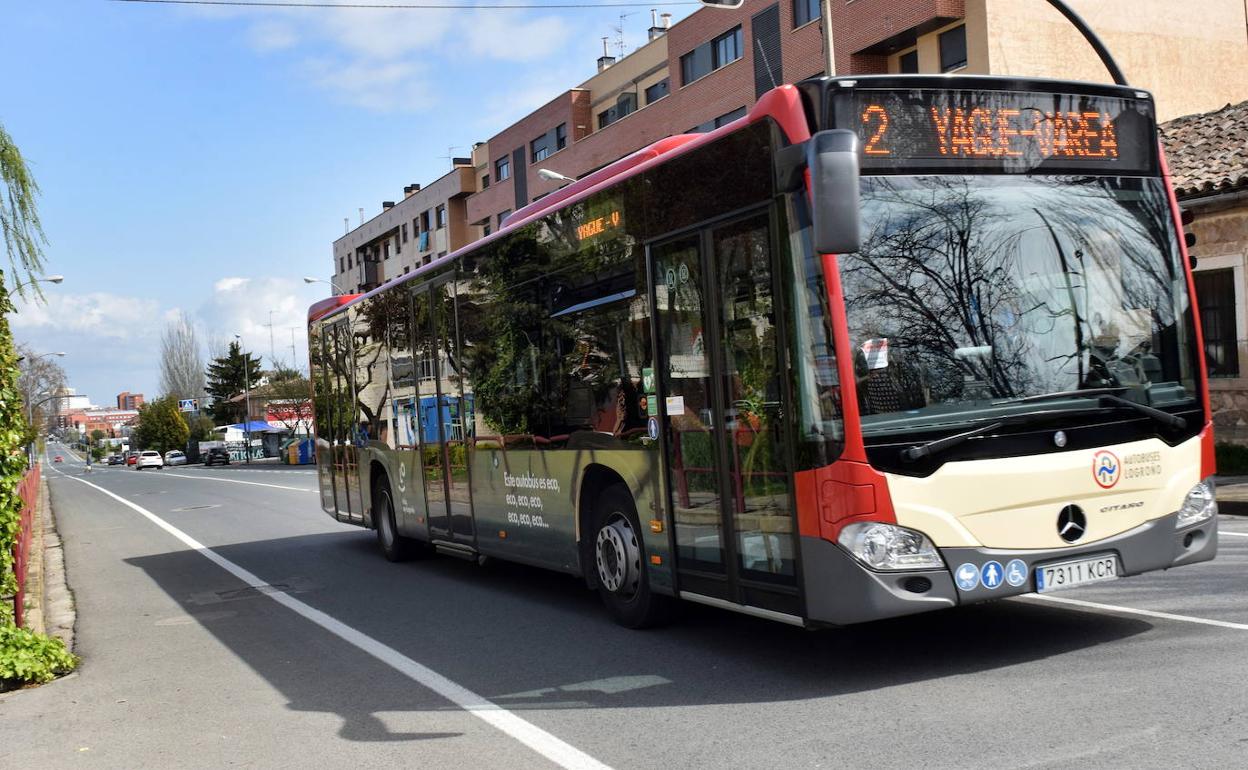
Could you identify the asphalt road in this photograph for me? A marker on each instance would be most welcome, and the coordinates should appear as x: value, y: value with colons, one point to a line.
x: 328, y: 660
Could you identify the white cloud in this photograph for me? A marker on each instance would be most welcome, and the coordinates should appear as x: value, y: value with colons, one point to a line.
x: 505, y: 35
x: 380, y: 35
x: 391, y: 86
x: 268, y: 36
x: 96, y: 314
x: 230, y: 284
x: 246, y: 313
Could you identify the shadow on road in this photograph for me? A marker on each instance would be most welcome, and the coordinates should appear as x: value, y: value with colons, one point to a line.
x: 528, y: 638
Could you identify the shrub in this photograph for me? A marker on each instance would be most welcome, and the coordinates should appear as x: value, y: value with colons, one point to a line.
x: 30, y: 657
x: 1232, y: 459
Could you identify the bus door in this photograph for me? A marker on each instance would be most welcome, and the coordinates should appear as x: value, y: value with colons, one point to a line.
x: 346, y: 472
x: 721, y: 380
x: 440, y: 403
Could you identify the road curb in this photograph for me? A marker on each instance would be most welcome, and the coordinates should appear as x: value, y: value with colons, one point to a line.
x: 54, y: 613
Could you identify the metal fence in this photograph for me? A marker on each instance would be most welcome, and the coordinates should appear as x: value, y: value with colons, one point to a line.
x: 28, y: 490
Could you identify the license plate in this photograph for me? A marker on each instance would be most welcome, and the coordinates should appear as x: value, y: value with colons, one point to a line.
x: 1098, y: 569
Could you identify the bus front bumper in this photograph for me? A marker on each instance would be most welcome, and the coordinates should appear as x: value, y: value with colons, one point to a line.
x: 840, y: 590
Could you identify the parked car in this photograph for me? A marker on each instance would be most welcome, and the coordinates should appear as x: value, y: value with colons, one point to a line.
x: 217, y: 455
x: 174, y: 457
x: 58, y: 459
x: 116, y: 459
x: 149, y: 459
x: 132, y: 458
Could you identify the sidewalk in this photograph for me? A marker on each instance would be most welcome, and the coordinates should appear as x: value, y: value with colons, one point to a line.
x: 49, y: 602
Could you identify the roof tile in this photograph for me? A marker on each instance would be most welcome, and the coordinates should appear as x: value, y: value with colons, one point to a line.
x: 1208, y: 152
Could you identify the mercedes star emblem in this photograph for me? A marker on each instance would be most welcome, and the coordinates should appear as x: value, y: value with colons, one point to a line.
x: 1071, y: 523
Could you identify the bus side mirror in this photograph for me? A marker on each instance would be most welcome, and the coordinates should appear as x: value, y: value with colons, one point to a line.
x: 832, y: 157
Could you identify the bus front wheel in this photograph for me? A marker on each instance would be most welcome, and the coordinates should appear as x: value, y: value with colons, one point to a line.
x: 619, y: 561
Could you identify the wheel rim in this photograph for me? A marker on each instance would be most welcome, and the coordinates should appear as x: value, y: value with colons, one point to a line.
x: 387, y: 535
x: 618, y: 557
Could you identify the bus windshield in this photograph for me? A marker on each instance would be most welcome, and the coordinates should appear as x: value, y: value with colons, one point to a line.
x: 972, y: 292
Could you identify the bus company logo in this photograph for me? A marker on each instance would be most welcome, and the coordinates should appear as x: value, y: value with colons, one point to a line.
x: 1106, y: 469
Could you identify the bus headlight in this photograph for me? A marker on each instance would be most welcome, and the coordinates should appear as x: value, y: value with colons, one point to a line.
x: 1199, y: 505
x: 889, y: 547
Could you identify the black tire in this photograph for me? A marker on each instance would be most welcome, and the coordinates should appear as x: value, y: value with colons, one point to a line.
x: 393, y: 546
x: 617, y: 553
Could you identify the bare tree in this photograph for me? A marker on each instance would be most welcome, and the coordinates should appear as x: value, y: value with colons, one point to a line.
x: 38, y: 377
x: 181, y: 360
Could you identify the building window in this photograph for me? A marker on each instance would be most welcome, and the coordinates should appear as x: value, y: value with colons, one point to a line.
x: 1216, y: 291
x: 422, y: 243
x: 626, y: 104
x: 658, y: 91
x: 385, y: 250
x: 485, y: 181
x: 728, y: 47
x: 424, y: 221
x: 349, y: 264
x: 415, y: 227
x: 407, y: 270
x: 805, y: 11
x: 485, y: 229
x: 539, y: 148
x: 502, y: 217
x: 709, y: 57
x: 561, y: 136
x: 441, y: 217
x: 908, y: 63
x: 953, y: 49
x: 502, y: 169
x: 341, y: 264
x: 722, y: 120
x: 403, y: 232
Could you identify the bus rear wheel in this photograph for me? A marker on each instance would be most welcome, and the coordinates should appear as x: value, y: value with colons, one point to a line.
x: 394, y: 546
x: 619, y: 562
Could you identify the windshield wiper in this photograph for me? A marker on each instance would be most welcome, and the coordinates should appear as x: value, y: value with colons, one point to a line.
x: 1108, y: 396
x: 919, y: 451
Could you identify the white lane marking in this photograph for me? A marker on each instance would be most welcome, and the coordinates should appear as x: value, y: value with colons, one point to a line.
x: 544, y: 743
x: 201, y: 476
x: 1133, y: 611
x: 1232, y: 534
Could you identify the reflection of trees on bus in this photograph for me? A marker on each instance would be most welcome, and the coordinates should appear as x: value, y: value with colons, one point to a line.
x: 554, y: 331
x: 960, y: 301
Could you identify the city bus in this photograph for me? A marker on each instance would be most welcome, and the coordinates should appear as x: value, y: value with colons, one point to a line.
x: 886, y: 344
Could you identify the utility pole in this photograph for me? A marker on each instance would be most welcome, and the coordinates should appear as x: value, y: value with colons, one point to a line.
x: 825, y: 7
x: 247, y: 405
x: 272, y: 356
x: 294, y: 357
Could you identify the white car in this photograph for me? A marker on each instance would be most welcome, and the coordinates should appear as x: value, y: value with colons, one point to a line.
x: 149, y: 459
x: 174, y: 457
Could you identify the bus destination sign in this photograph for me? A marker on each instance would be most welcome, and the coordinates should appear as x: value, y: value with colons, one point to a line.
x: 1003, y: 131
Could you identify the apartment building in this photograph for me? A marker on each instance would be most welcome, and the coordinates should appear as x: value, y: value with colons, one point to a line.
x: 427, y: 223
x: 709, y: 68
x: 128, y: 400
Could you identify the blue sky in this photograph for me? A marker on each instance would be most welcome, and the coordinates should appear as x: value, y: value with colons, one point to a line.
x: 201, y: 160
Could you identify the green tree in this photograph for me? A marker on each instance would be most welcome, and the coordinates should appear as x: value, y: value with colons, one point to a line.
x: 98, y: 435
x: 19, y: 216
x: 24, y: 656
x: 160, y: 426
x: 227, y: 378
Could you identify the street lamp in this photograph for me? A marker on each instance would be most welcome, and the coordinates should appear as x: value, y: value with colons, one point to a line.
x: 553, y: 176
x: 332, y: 285
x: 247, y: 403
x: 44, y: 279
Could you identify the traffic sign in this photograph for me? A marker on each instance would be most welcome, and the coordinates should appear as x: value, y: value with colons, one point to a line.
x: 188, y: 405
